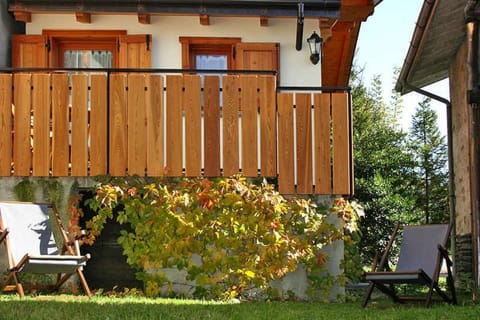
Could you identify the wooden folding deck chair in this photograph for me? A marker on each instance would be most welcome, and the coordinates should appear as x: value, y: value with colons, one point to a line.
x: 422, y: 254
x: 30, y: 244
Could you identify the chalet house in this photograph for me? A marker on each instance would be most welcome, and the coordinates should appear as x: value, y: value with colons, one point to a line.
x: 133, y: 88
x: 442, y: 46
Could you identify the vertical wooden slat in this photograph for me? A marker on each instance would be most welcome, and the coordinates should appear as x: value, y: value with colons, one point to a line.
x: 6, y: 124
x: 193, y: 136
x: 286, y: 152
x: 341, y: 146
x: 323, y: 168
x: 22, y: 155
x: 268, y: 133
x: 249, y: 107
x: 41, y: 125
x: 98, y: 125
x: 212, y: 126
x: 174, y: 125
x: 79, y: 125
x: 137, y: 134
x: 60, y: 127
x: 230, y: 125
x: 118, y: 125
x: 304, y: 144
x: 155, y: 125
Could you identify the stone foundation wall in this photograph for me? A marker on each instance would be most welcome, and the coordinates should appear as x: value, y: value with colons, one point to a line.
x: 463, y: 262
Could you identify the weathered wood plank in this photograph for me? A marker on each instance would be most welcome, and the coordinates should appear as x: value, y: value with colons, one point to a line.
x: 60, y: 113
x: 98, y: 125
x: 6, y: 124
x: 79, y: 125
x: 22, y: 154
x: 41, y: 125
x: 212, y: 126
x: 249, y: 110
x: 155, y: 125
x: 230, y: 125
x: 268, y: 150
x: 323, y: 167
x: 193, y: 130
x: 118, y: 125
x: 136, y: 125
x: 304, y: 143
x: 341, y: 145
x: 174, y: 125
x: 286, y: 151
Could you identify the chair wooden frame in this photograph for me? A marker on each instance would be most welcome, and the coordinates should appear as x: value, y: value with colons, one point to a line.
x: 64, y: 260
x: 431, y: 254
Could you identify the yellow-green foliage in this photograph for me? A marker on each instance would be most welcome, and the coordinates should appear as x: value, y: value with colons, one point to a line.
x: 245, y: 234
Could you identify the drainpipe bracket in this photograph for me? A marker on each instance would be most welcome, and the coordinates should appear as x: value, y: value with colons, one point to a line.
x: 473, y: 96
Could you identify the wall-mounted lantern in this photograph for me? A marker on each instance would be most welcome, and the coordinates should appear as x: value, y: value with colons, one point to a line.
x: 315, y: 45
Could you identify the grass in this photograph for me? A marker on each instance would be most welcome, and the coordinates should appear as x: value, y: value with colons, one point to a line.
x: 109, y: 308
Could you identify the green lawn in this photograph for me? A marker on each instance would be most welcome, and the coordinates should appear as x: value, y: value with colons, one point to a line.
x: 81, y: 308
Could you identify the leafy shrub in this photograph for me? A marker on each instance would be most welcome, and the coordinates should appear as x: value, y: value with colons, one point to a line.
x: 229, y: 235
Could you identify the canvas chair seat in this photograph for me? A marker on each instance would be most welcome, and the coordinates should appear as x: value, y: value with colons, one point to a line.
x: 423, y: 256
x: 413, y: 277
x: 27, y: 234
x: 52, y: 264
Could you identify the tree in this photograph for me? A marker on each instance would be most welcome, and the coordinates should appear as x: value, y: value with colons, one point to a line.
x: 383, y: 164
x: 429, y: 151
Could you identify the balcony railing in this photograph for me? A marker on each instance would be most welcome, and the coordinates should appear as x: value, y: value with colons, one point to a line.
x: 167, y: 123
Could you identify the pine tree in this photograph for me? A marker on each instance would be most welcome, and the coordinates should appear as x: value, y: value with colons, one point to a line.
x: 429, y: 151
x: 383, y: 164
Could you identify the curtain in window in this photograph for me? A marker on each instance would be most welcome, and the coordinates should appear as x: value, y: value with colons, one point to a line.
x: 87, y: 59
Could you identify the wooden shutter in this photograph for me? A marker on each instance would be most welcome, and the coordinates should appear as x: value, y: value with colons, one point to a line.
x: 257, y: 56
x: 29, y: 51
x: 135, y: 51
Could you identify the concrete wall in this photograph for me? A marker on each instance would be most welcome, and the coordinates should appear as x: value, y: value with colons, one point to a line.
x: 295, y: 66
x: 8, y: 26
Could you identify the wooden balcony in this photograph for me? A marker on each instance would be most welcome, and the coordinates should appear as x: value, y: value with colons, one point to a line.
x: 156, y: 123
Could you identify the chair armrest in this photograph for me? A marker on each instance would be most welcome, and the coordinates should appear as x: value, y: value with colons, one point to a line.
x: 72, y: 246
x: 3, y: 234
x: 444, y: 253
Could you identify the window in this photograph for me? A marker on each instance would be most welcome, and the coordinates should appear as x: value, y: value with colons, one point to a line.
x: 82, y: 49
x: 228, y: 53
x: 203, y: 52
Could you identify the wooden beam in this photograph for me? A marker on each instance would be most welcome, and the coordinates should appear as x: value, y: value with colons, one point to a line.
x: 264, y: 21
x: 144, y: 18
x: 356, y: 10
x: 23, y: 16
x: 83, y: 17
x: 338, y: 54
x: 204, y: 20
x: 326, y: 25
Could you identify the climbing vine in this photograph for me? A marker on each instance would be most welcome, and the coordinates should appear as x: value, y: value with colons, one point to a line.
x: 229, y: 236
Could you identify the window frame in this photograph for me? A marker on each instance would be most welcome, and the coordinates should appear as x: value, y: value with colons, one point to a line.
x: 193, y: 46
x: 61, y: 40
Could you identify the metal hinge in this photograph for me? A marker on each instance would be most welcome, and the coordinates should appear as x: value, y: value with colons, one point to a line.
x: 234, y: 52
x: 148, y: 42
x: 47, y: 45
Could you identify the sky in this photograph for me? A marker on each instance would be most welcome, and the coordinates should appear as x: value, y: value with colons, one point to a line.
x: 383, y: 43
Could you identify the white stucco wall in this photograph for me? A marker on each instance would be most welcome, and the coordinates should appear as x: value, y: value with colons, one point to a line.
x: 295, y: 66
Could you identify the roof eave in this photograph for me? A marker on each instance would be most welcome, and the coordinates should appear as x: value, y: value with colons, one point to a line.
x: 312, y: 9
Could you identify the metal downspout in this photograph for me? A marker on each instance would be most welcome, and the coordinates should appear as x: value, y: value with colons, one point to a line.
x: 451, y: 167
x: 300, y: 20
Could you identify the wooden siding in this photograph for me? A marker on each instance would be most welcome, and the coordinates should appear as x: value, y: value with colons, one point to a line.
x: 174, y: 125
